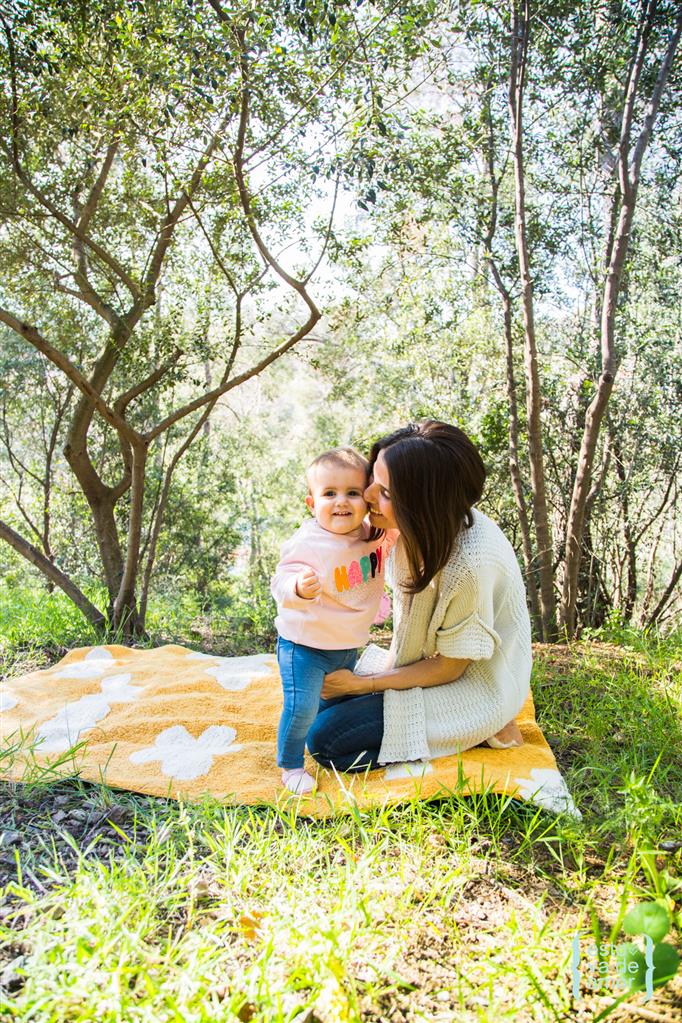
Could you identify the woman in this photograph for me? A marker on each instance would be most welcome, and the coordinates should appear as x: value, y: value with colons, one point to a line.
x: 459, y: 666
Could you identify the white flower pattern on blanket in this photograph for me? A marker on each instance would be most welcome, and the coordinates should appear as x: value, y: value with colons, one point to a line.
x: 7, y: 699
x: 182, y: 756
x: 547, y: 788
x: 409, y: 769
x: 63, y: 731
x: 147, y: 718
x: 236, y: 673
x: 95, y: 663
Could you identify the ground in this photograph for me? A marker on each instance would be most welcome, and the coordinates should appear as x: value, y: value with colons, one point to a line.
x: 120, y: 907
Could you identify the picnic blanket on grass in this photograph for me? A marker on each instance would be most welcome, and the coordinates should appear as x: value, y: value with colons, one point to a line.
x: 176, y: 723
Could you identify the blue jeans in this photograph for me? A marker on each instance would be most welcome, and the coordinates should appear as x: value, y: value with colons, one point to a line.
x: 347, y: 733
x: 302, y: 669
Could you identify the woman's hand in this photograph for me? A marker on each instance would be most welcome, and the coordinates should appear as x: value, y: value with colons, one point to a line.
x: 341, y: 683
x: 432, y: 671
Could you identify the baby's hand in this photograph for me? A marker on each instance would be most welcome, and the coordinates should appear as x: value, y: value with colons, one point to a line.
x: 308, y: 584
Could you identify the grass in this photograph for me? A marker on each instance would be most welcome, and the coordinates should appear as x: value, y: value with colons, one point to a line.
x: 37, y: 627
x: 119, y: 907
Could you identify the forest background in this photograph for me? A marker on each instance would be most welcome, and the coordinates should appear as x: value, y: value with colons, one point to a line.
x: 236, y: 234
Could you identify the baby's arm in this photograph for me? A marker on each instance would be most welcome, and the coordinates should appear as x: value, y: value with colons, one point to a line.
x: 295, y: 580
x: 308, y: 584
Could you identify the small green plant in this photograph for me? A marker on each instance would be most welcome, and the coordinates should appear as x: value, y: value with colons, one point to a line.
x: 643, y: 969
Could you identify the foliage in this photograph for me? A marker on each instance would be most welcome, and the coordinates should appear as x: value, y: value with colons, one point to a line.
x: 378, y: 139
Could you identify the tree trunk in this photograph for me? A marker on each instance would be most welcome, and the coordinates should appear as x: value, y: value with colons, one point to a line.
x: 629, y: 174
x: 543, y: 533
x: 630, y: 596
x: 514, y: 467
x: 667, y: 594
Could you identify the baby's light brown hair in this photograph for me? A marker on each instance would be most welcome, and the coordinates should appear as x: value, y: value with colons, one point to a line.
x: 342, y: 458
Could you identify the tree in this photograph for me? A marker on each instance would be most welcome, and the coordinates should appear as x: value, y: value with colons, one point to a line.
x: 133, y: 134
x: 528, y: 208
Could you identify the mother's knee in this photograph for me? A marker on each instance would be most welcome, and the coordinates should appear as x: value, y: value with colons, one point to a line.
x: 316, y: 740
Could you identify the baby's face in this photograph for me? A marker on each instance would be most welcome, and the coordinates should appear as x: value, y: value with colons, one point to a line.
x: 336, y: 497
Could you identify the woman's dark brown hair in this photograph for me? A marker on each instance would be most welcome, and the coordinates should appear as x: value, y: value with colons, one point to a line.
x: 436, y: 475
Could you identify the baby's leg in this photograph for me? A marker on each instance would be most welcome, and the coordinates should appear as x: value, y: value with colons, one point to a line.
x: 302, y: 669
x: 302, y: 675
x: 507, y: 737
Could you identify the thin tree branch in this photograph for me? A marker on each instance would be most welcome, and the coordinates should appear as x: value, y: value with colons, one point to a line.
x: 123, y: 400
x: 95, y: 195
x: 655, y: 101
x: 667, y: 594
x: 32, y: 554
x: 235, y: 382
x: 171, y: 220
x: 33, y: 336
x: 327, y: 235
x: 73, y: 229
x: 634, y: 72
x: 223, y: 17
x: 16, y: 497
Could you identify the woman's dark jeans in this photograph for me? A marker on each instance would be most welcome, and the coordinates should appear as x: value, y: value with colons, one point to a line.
x: 347, y: 732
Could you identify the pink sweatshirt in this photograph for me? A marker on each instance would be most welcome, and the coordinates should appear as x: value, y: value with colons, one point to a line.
x: 351, y: 570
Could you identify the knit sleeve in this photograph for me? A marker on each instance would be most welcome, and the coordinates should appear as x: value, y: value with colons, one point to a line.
x: 467, y: 630
x: 295, y: 557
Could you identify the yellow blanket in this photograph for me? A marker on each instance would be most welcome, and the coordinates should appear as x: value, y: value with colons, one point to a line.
x: 172, y: 722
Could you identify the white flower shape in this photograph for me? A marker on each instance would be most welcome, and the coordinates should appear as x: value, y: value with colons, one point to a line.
x: 7, y: 699
x: 410, y: 769
x: 95, y: 663
x: 236, y: 673
x: 63, y: 730
x: 182, y: 756
x: 547, y: 788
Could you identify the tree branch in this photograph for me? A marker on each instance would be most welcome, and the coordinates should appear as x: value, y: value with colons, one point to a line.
x: 634, y: 71
x: 235, y: 382
x: 73, y: 229
x: 33, y: 336
x: 655, y: 101
x: 32, y: 554
x: 667, y: 594
x: 95, y: 195
x: 123, y: 400
x: 327, y: 234
x: 171, y: 220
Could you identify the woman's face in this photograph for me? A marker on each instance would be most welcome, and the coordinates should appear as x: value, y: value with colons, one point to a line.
x: 378, y: 496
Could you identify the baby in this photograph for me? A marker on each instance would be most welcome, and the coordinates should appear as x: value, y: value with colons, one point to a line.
x: 328, y: 587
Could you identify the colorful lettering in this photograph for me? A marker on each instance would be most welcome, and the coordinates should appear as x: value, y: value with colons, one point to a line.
x: 354, y: 574
x: 341, y: 578
x: 348, y: 577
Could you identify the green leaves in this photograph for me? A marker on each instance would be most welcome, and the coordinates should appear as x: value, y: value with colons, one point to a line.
x: 651, y: 920
x: 654, y: 965
x: 632, y: 966
x: 666, y: 963
x: 647, y: 918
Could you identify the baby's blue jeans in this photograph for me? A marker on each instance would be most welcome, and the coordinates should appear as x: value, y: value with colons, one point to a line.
x: 303, y: 669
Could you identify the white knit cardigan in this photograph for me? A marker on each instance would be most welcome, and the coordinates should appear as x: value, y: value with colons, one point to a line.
x: 475, y: 608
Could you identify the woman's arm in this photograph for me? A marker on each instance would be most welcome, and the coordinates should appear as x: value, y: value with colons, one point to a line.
x: 434, y: 671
